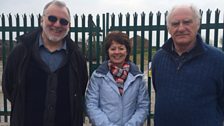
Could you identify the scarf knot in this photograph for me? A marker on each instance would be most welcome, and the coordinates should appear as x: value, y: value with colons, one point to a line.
x: 119, y: 74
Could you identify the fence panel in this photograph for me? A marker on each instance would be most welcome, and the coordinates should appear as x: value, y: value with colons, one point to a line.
x: 147, y: 33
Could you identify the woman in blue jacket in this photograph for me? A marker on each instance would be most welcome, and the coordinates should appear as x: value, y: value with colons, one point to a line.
x: 117, y: 93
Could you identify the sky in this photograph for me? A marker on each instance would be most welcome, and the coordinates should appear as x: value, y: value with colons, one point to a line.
x: 106, y: 6
x: 95, y: 7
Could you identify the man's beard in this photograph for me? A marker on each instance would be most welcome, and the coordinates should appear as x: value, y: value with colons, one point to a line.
x: 54, y: 38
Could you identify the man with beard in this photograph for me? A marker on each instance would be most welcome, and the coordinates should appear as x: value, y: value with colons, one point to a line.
x: 46, y: 75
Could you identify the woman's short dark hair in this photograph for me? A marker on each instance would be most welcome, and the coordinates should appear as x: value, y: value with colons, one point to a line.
x: 120, y: 38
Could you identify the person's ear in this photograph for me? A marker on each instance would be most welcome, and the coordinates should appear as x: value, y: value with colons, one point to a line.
x: 41, y: 21
x: 168, y: 29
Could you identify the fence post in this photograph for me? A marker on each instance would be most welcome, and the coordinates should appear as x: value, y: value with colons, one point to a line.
x: 217, y: 12
x: 208, y: 18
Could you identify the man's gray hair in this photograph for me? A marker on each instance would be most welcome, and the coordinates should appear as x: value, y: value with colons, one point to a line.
x: 57, y: 3
x: 194, y: 9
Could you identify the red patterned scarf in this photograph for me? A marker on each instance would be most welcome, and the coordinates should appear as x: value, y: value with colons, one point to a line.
x: 119, y: 74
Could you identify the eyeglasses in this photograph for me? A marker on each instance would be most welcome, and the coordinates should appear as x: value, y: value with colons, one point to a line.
x: 54, y: 19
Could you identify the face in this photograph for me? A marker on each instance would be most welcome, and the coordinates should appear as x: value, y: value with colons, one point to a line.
x: 183, y: 27
x: 117, y: 53
x: 54, y: 24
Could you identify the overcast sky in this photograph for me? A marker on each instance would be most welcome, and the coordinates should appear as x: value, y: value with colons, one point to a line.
x: 94, y: 7
x: 103, y: 6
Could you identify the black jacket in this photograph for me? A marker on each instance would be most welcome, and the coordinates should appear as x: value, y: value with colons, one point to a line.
x: 14, y: 78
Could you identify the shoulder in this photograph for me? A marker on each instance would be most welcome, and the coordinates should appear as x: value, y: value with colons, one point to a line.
x: 28, y: 39
x: 210, y: 51
x: 19, y: 51
x: 134, y: 69
x: 158, y: 55
x: 214, y: 52
x: 74, y: 51
x: 103, y: 68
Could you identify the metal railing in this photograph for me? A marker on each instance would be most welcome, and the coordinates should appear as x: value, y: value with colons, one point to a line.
x: 146, y: 33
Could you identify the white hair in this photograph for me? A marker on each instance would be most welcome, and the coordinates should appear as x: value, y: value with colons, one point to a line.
x: 194, y: 9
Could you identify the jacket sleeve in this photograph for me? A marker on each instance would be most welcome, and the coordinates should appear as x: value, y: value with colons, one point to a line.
x: 221, y: 94
x: 95, y: 114
x: 142, y: 108
x: 85, y: 77
x: 8, y: 77
x: 153, y: 72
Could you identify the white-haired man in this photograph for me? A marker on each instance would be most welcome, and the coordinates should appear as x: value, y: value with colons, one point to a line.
x: 188, y: 75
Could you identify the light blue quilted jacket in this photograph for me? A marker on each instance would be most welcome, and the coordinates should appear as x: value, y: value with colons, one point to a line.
x: 106, y: 107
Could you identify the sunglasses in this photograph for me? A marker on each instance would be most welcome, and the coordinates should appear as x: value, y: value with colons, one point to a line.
x: 54, y: 19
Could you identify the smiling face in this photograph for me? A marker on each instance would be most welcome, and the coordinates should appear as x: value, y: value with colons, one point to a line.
x: 117, y: 53
x: 55, y: 31
x: 183, y: 27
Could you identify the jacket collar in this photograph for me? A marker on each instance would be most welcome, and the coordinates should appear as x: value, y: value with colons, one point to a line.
x: 104, y: 70
x: 197, y: 50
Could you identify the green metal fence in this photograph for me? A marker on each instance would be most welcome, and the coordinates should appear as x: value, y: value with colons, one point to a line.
x: 147, y: 33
